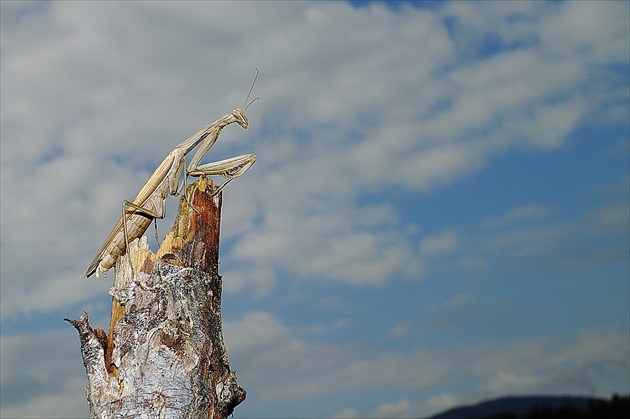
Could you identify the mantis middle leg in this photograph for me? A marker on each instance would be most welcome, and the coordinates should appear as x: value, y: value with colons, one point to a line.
x: 159, y: 211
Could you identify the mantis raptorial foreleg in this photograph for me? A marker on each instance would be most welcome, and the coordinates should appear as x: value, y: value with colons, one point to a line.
x: 230, y: 168
x: 150, y: 203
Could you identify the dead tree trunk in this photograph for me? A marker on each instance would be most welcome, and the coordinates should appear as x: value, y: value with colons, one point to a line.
x: 164, y: 356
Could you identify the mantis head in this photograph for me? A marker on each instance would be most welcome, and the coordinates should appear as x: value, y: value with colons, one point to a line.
x: 239, y: 116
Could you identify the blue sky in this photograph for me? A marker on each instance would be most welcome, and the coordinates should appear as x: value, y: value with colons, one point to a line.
x: 439, y: 212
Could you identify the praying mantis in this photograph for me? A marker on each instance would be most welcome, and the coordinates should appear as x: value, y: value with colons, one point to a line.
x: 150, y: 203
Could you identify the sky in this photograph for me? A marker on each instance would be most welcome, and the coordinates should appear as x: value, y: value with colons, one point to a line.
x: 438, y: 214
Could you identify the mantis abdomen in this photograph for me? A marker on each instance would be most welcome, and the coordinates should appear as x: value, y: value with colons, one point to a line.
x: 135, y: 222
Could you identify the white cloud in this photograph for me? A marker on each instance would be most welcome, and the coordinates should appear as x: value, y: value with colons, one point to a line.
x: 555, y: 245
x: 541, y: 364
x: 401, y: 409
x: 399, y: 330
x: 520, y: 214
x: 613, y: 218
x: 517, y: 382
x: 527, y: 242
x: 396, y: 410
x: 459, y: 308
x: 348, y: 414
x: 336, y: 244
x: 441, y: 403
x: 254, y: 330
x: 442, y: 243
x: 586, y: 28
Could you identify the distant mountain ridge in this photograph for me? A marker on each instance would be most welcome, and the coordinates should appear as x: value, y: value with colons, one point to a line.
x: 542, y: 406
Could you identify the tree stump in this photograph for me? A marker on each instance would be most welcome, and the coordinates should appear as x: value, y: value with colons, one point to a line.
x: 164, y: 356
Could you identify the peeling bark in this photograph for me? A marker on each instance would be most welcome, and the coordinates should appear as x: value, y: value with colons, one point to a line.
x: 164, y: 356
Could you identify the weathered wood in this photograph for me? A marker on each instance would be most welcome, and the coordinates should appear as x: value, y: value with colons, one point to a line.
x: 164, y: 355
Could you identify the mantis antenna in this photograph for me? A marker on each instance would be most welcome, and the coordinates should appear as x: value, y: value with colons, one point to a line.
x: 246, y: 105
